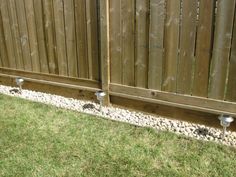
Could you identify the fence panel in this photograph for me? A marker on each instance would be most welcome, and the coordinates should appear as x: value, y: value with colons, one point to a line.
x: 181, y: 43
x: 51, y: 36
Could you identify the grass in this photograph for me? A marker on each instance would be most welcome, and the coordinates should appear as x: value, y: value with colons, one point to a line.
x: 41, y: 140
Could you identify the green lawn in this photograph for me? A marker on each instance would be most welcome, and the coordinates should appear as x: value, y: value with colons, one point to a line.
x: 41, y: 140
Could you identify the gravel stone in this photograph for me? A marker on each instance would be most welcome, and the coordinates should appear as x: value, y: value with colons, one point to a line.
x: 196, y: 131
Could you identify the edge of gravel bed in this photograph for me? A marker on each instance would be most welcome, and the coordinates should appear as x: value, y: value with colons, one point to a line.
x: 197, y: 131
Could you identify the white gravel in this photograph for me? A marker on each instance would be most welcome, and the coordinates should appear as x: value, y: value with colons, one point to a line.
x: 137, y: 118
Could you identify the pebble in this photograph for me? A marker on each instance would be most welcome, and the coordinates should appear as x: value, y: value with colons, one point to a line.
x: 196, y: 131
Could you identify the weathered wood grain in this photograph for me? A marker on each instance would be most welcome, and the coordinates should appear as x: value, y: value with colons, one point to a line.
x: 171, y: 44
x: 81, y: 37
x: 34, y: 50
x: 3, y: 49
x: 203, y: 47
x: 173, y: 99
x: 39, y: 21
x: 105, y: 52
x: 70, y: 38
x: 116, y: 41
x: 8, y: 34
x: 221, y: 48
x: 15, y: 34
x: 187, y: 46
x: 60, y: 37
x: 1, y: 61
x: 51, y: 77
x: 156, y: 41
x: 92, y: 39
x: 50, y: 35
x: 128, y: 39
x: 24, y: 35
x: 231, y: 89
x: 141, y: 43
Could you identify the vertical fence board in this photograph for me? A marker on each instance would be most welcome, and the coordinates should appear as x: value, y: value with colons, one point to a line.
x: 231, y: 89
x: 128, y: 7
x: 156, y: 41
x: 81, y: 36
x: 92, y: 38
x: 203, y: 48
x: 221, y: 48
x: 8, y: 34
x: 50, y: 36
x: 24, y: 36
x: 105, y: 48
x: 15, y: 34
x: 3, y: 49
x: 115, y: 41
x: 1, y: 61
x: 60, y: 37
x: 141, y: 43
x: 70, y: 38
x: 41, y: 36
x: 171, y: 44
x: 29, y: 8
x: 187, y: 46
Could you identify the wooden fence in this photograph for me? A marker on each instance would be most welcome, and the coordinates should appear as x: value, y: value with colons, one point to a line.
x: 180, y: 53
x: 50, y: 36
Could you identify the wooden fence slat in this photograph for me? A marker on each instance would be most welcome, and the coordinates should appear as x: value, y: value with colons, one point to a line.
x: 1, y: 61
x: 115, y: 41
x: 60, y: 37
x: 171, y: 44
x: 92, y: 38
x: 1, y: 64
x: 128, y: 28
x: 231, y: 89
x: 221, y: 48
x: 187, y: 46
x: 203, y: 47
x: 50, y: 36
x: 8, y: 34
x: 81, y: 36
x: 70, y: 38
x: 24, y: 36
x: 3, y: 49
x: 141, y: 43
x: 105, y: 48
x: 156, y: 41
x: 38, y: 7
x: 30, y: 17
x: 15, y: 34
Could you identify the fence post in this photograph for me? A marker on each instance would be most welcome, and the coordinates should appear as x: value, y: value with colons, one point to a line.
x: 104, y: 45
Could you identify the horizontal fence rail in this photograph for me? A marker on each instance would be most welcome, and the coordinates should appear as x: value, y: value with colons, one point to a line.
x: 178, y: 53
